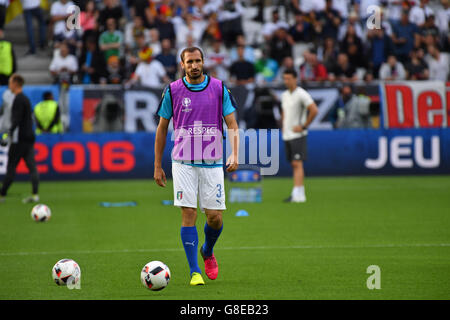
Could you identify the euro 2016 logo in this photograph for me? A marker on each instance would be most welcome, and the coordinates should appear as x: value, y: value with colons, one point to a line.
x: 186, y: 102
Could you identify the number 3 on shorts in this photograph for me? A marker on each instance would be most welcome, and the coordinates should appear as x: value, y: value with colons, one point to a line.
x: 219, y: 190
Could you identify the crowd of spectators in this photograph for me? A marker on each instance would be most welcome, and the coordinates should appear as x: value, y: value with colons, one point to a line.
x: 139, y: 41
x: 246, y: 43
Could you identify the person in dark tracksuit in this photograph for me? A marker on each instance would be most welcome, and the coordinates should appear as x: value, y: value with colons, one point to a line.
x: 21, y: 138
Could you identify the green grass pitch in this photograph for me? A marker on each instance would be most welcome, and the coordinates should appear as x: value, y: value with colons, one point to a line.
x: 317, y: 250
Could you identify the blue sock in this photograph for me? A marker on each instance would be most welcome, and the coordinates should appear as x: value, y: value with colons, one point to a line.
x: 211, y: 236
x: 189, y: 238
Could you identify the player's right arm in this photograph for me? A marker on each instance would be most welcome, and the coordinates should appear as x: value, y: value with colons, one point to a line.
x: 312, y: 109
x: 165, y: 113
x: 160, y: 143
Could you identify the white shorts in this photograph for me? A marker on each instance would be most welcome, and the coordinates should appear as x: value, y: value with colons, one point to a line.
x: 207, y: 183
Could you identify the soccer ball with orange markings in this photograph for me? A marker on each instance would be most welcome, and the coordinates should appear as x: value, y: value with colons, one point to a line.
x: 41, y: 213
x: 155, y: 275
x: 66, y: 272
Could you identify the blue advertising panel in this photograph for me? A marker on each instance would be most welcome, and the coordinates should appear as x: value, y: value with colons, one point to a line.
x: 378, y: 152
x: 330, y: 153
x: 35, y: 92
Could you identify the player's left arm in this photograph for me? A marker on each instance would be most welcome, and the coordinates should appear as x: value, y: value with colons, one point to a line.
x: 312, y: 113
x: 233, y: 135
x: 229, y: 107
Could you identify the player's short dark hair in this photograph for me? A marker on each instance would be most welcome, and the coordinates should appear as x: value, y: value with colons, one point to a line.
x: 18, y: 79
x: 291, y: 72
x: 190, y: 50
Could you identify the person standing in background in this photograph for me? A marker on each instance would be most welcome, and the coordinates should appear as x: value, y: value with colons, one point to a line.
x: 298, y: 111
x: 47, y: 115
x: 32, y: 9
x: 59, y: 12
x: 21, y: 139
x: 7, y: 60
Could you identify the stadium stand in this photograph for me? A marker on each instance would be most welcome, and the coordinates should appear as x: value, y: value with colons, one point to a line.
x: 328, y: 41
x: 33, y: 67
x: 257, y: 20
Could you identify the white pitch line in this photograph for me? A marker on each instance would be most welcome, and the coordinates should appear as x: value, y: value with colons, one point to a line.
x: 368, y: 246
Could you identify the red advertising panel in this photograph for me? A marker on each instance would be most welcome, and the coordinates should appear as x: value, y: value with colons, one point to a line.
x: 416, y: 104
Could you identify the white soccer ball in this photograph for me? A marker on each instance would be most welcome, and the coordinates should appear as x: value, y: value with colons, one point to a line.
x: 41, y: 213
x: 66, y: 272
x: 155, y: 275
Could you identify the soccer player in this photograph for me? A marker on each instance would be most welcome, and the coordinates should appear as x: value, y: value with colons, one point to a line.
x: 21, y: 136
x: 298, y: 111
x: 198, y: 104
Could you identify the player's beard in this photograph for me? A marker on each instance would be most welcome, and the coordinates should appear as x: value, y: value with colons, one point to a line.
x: 195, y: 75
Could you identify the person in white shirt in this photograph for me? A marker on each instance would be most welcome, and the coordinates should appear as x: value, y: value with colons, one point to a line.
x: 32, y: 9
x: 394, y: 10
x: 207, y: 7
x: 298, y: 111
x: 218, y: 61
x: 63, y: 65
x: 443, y: 17
x: 149, y: 72
x: 59, y: 12
x: 438, y: 63
x: 419, y: 13
x: 392, y: 69
x: 269, y: 28
x: 185, y: 26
